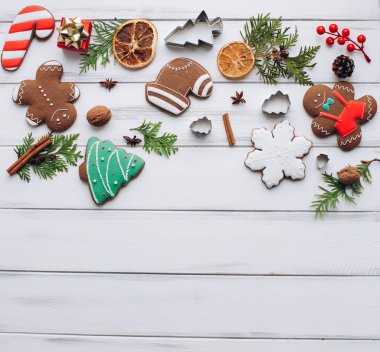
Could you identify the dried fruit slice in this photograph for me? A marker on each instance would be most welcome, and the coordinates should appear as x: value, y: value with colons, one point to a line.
x: 235, y: 60
x: 134, y: 43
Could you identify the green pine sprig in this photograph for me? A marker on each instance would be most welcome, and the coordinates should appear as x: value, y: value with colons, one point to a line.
x: 52, y: 160
x: 161, y: 145
x: 101, y: 49
x: 264, y: 35
x: 335, y: 190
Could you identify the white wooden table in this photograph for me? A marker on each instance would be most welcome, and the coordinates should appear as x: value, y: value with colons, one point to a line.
x: 196, y: 254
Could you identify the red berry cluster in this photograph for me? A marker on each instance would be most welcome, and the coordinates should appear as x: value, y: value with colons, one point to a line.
x: 343, y: 37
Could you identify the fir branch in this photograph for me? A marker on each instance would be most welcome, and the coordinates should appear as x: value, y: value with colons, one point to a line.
x: 335, y: 191
x: 101, y: 49
x: 264, y: 35
x: 162, y: 145
x: 52, y: 160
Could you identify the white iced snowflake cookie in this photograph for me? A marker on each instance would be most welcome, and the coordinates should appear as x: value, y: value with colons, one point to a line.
x: 278, y: 154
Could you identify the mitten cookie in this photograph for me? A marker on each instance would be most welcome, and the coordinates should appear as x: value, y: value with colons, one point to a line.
x: 107, y: 168
x: 30, y: 21
x: 174, y: 83
x: 49, y: 100
x: 335, y: 110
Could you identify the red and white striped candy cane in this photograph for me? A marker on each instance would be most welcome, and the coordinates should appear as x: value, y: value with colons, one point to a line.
x: 30, y: 21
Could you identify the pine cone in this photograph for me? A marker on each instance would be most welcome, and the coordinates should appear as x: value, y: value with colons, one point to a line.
x: 349, y: 175
x: 343, y: 66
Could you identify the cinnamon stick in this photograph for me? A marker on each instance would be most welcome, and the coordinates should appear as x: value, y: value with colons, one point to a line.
x: 228, y: 128
x: 29, y: 154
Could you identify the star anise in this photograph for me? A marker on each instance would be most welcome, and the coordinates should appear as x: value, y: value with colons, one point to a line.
x: 132, y: 141
x: 238, y: 98
x: 109, y: 83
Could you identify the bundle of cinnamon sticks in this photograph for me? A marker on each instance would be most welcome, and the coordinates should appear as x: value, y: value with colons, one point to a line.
x: 29, y: 154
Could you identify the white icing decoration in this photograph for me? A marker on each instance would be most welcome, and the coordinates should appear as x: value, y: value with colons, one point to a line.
x: 31, y: 120
x: 324, y: 99
x: 278, y: 154
x: 353, y: 138
x: 32, y: 16
x: 88, y: 170
x: 349, y: 90
x: 319, y: 127
x: 51, y: 66
x: 167, y: 95
x: 16, y: 95
x: 164, y: 105
x: 199, y: 82
x: 369, y: 107
x: 52, y: 116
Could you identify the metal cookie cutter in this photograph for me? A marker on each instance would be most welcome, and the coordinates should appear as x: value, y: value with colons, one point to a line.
x: 195, y: 33
x: 276, y: 105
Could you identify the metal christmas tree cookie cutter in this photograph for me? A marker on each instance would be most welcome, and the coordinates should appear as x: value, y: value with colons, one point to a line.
x: 192, y: 33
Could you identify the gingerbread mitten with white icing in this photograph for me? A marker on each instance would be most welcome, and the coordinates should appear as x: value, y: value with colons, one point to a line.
x: 176, y: 80
x: 49, y: 100
x: 336, y: 111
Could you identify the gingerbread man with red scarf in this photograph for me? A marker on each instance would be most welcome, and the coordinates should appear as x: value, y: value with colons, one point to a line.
x: 335, y: 110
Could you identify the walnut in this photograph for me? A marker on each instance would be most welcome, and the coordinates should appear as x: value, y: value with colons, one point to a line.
x: 99, y: 115
x: 349, y: 175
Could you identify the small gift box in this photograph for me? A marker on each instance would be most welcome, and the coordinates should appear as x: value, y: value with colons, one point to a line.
x: 74, y: 34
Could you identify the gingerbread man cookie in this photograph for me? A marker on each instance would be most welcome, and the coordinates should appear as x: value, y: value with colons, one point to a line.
x: 335, y: 110
x: 49, y: 100
x: 174, y: 83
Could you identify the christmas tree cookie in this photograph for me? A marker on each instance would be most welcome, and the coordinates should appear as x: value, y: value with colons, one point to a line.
x: 107, y: 169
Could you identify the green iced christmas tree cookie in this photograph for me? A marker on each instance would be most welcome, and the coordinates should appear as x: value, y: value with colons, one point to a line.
x: 107, y: 169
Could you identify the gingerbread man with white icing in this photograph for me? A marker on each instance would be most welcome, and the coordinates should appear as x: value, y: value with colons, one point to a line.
x: 335, y: 110
x: 49, y: 100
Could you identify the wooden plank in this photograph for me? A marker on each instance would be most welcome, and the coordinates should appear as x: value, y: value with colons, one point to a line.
x: 58, y: 343
x: 129, y: 108
x: 190, y: 242
x: 169, y: 9
x: 41, y: 51
x: 194, y: 306
x: 193, y: 179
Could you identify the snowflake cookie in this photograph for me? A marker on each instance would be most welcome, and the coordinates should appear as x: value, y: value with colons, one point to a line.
x: 278, y: 154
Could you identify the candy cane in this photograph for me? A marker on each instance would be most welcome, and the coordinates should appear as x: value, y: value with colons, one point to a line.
x: 30, y: 21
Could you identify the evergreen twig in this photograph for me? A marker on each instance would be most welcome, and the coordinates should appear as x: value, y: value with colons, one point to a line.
x: 335, y: 191
x: 52, y: 160
x: 101, y: 49
x: 162, y: 145
x: 264, y: 35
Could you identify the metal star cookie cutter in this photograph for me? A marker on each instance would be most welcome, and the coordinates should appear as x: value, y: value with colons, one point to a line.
x: 196, y: 33
x: 201, y: 126
x: 276, y: 105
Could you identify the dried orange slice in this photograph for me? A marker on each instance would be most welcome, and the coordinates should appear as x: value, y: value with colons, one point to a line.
x: 134, y: 43
x: 235, y: 60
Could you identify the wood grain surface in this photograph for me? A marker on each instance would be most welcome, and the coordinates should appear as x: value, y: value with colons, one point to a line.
x: 196, y: 254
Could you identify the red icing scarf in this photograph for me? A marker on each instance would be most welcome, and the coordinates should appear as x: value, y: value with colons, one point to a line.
x: 345, y: 122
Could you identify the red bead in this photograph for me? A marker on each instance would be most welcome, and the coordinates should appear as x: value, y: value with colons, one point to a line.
x: 321, y: 30
x: 341, y: 41
x: 350, y: 47
x: 333, y: 28
x: 330, y: 40
x: 361, y: 38
x: 345, y: 32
